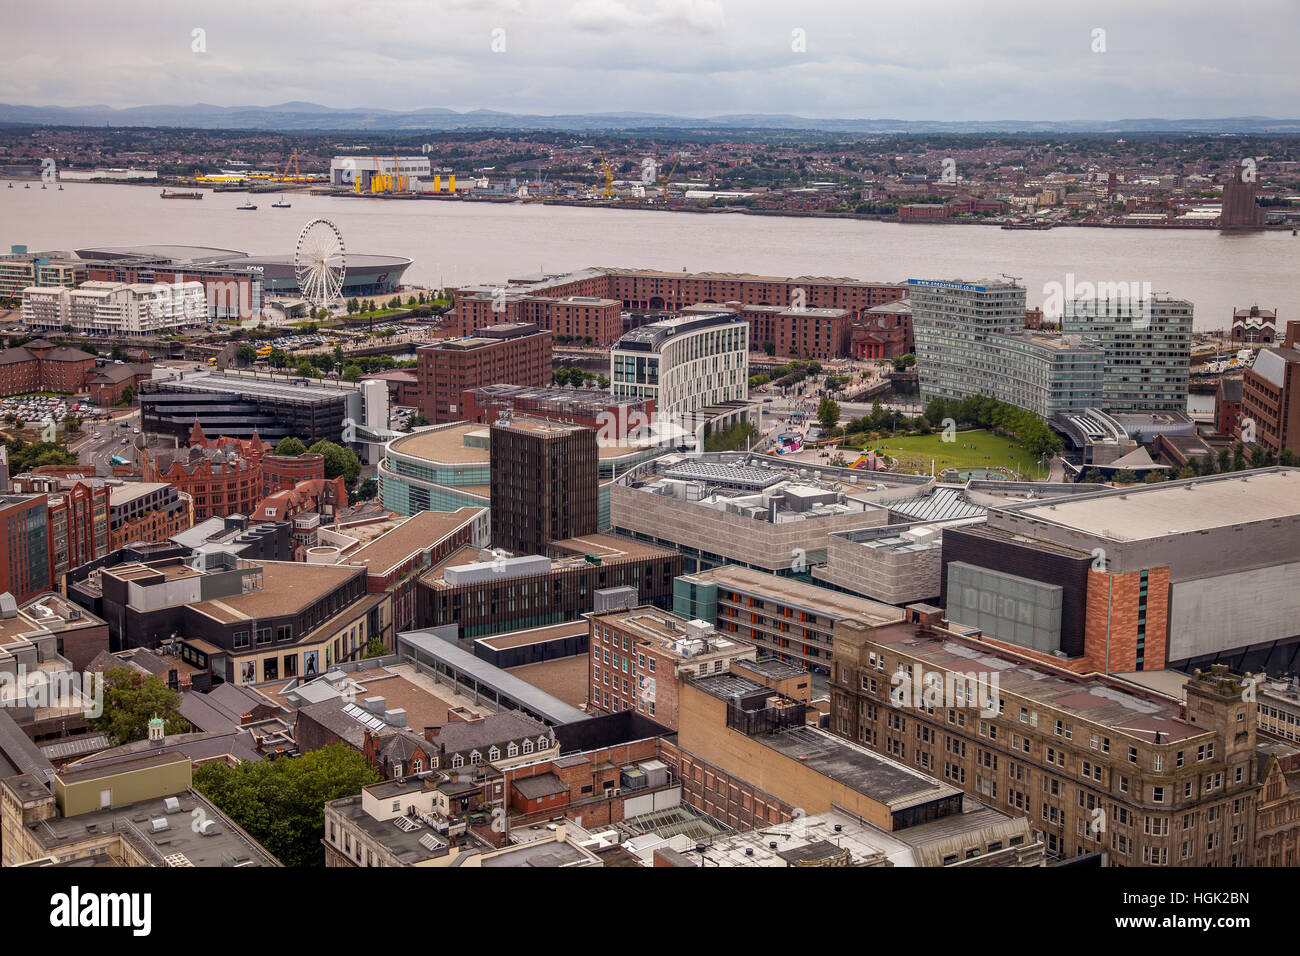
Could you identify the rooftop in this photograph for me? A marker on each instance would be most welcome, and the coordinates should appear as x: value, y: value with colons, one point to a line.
x: 796, y: 594
x: 1127, y: 712
x: 1144, y: 512
x: 287, y: 587
x: 420, y: 532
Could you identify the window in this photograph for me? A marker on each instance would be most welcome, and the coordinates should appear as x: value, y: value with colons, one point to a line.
x: 528, y: 744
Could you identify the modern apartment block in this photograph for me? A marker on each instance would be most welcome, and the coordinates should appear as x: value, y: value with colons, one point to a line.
x: 517, y: 353
x: 21, y: 270
x: 1270, y: 396
x: 1095, y: 764
x: 1172, y: 575
x: 116, y: 308
x: 971, y: 340
x: 683, y: 364
x: 544, y: 483
x: 1148, y: 346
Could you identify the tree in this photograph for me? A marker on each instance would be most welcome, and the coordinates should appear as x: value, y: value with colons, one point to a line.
x: 128, y: 396
x: 247, y: 354
x: 352, y: 372
x: 118, y: 353
x: 131, y: 700
x: 828, y: 413
x: 770, y: 348
x: 280, y: 803
x: 375, y: 647
x: 338, y: 460
x: 290, y: 447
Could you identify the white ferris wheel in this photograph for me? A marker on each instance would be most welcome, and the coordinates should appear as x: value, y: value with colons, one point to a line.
x: 320, y: 262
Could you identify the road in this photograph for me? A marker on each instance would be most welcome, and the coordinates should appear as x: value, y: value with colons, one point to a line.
x: 104, y: 440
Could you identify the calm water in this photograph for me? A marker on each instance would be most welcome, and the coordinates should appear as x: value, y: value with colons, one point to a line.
x: 459, y: 243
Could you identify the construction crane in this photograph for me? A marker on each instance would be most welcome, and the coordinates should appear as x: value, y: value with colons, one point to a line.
x: 292, y: 161
x: 609, y: 179
x: 397, y: 184
x: 663, y: 180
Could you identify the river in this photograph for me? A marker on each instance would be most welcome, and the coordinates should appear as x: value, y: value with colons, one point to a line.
x: 455, y: 243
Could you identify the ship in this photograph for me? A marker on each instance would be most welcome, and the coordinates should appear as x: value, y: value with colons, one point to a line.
x: 1025, y: 224
x: 247, y: 205
x: 169, y: 195
x: 281, y: 204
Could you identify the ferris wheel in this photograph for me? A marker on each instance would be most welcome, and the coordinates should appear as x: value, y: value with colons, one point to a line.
x: 320, y: 262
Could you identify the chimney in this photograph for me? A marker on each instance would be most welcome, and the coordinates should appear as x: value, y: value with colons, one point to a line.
x: 431, y: 732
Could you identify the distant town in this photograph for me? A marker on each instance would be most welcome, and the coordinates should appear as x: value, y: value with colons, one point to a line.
x: 1174, y: 180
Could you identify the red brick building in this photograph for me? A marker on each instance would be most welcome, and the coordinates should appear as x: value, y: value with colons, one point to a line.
x: 24, y: 546
x: 883, y: 332
x: 589, y: 303
x: 223, y: 476
x: 515, y: 354
x: 394, y: 559
x: 1270, y: 396
x: 42, y: 366
x: 107, y: 386
x: 281, y: 472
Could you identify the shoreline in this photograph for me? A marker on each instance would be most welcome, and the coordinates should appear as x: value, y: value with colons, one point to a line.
x: 307, y: 188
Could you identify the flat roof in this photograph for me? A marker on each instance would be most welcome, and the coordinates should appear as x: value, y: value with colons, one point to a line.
x: 1142, y: 512
x: 797, y: 594
x: 421, y: 531
x: 536, y: 635
x: 445, y: 444
x: 552, y: 709
x: 287, y: 586
x: 1126, y: 712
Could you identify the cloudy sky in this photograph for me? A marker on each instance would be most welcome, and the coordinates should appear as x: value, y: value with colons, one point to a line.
x: 914, y: 60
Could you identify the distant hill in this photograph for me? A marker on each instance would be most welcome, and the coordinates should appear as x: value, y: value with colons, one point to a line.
x: 312, y: 116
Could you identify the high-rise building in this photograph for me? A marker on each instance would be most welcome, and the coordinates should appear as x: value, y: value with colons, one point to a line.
x: 516, y: 353
x: 1240, y: 211
x: 1148, y: 346
x: 971, y: 340
x: 544, y: 478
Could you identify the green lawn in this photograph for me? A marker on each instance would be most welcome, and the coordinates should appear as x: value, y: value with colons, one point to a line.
x: 992, y: 451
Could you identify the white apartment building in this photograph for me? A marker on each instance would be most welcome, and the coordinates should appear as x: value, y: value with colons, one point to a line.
x: 684, y: 364
x: 116, y: 308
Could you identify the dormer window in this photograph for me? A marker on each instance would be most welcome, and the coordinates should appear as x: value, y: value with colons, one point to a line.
x: 494, y: 753
x: 542, y: 743
x: 475, y: 758
x: 528, y: 746
x: 417, y: 765
x: 458, y: 761
x: 512, y: 750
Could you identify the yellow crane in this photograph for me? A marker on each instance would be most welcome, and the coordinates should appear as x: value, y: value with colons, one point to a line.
x: 663, y: 180
x: 609, y: 178
x: 291, y: 162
